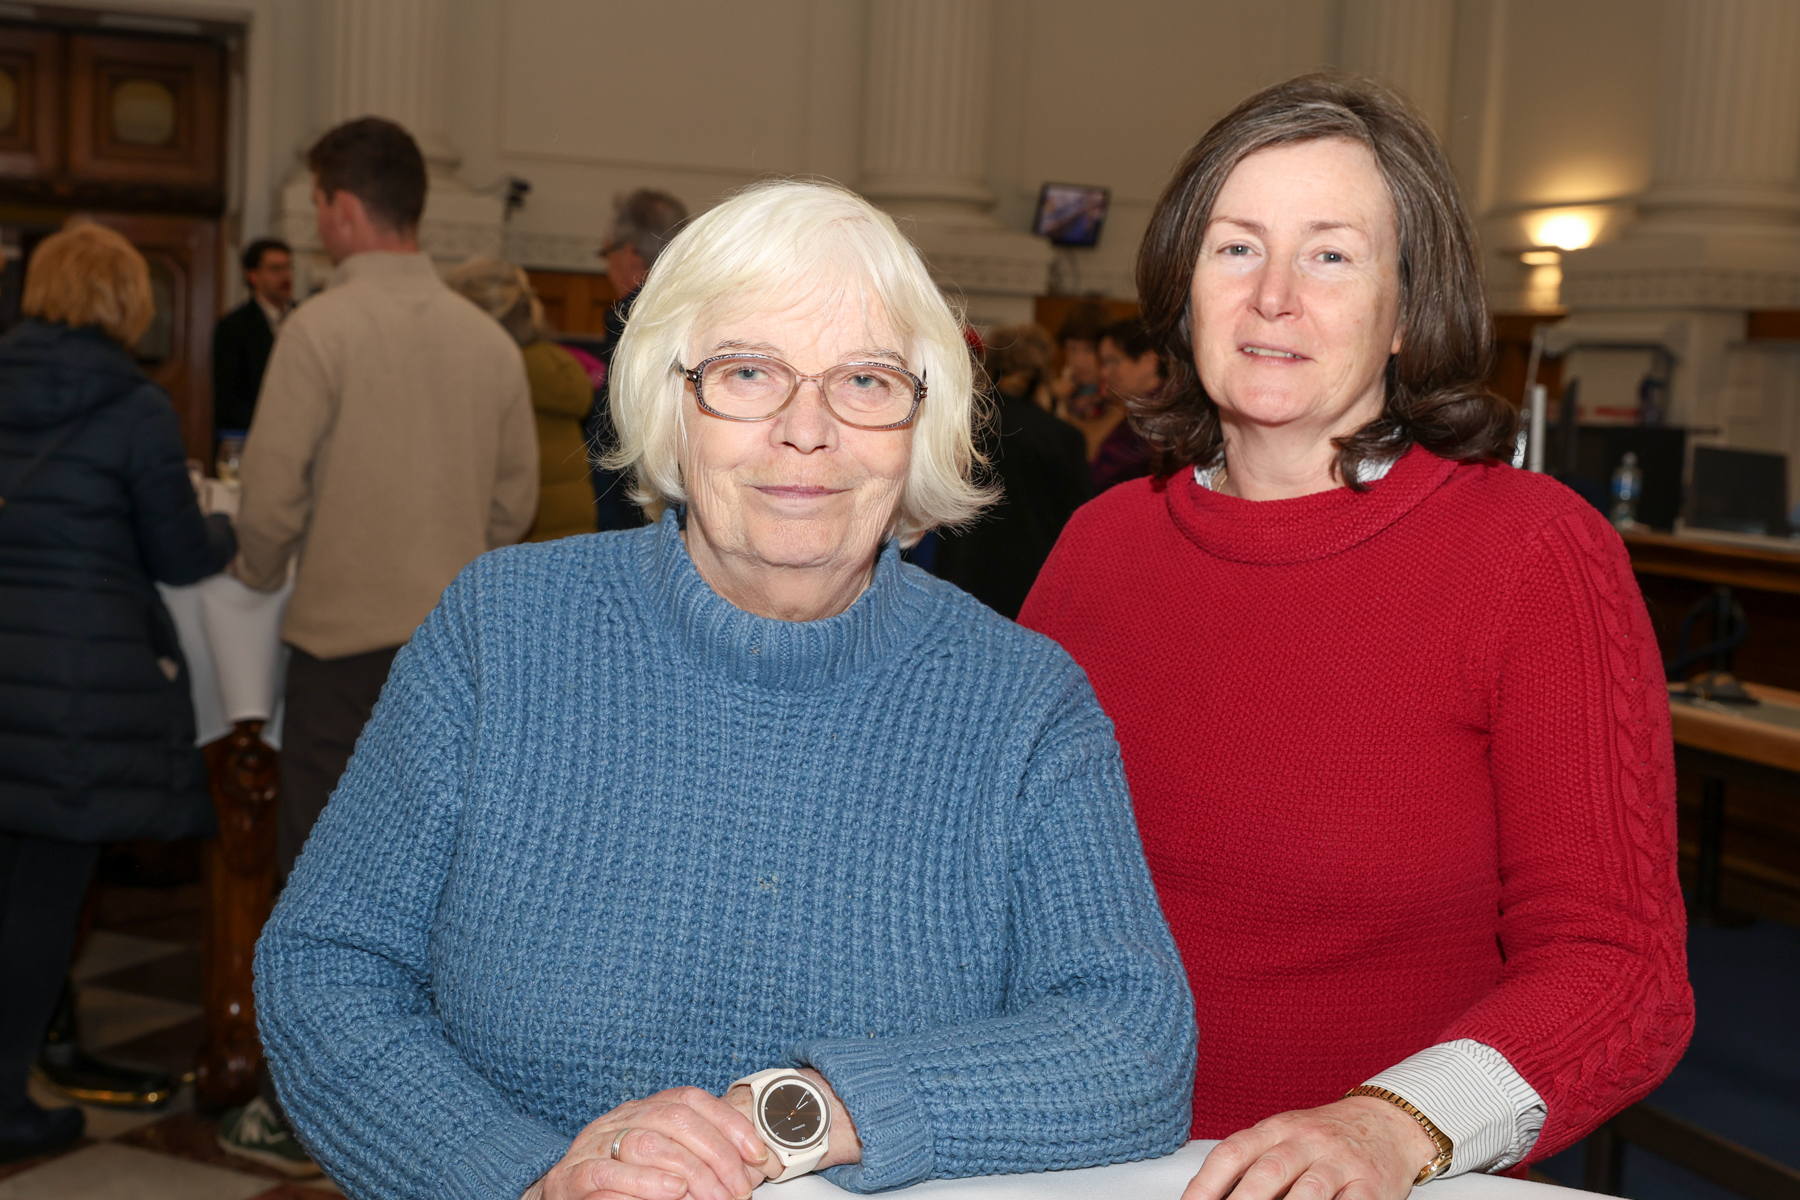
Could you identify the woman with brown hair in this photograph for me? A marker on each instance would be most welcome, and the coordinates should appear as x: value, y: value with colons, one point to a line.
x: 96, y: 724
x: 1391, y: 711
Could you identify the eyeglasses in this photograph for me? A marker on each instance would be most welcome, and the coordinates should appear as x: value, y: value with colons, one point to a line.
x: 756, y: 387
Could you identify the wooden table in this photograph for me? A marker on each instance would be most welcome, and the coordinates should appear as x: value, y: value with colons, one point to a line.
x: 1739, y: 561
x: 1757, y: 744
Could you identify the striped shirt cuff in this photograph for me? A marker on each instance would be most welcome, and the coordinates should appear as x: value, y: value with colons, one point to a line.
x: 1470, y: 1092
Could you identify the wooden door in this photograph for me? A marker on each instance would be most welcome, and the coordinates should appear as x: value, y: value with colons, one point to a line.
x: 183, y: 253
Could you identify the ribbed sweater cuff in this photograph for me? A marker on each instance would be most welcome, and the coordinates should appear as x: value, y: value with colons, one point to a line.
x: 504, y: 1160
x: 896, y: 1137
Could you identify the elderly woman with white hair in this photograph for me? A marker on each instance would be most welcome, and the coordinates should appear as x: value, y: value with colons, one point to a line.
x: 685, y: 858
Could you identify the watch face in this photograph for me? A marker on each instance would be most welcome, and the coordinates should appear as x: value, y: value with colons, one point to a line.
x: 792, y: 1114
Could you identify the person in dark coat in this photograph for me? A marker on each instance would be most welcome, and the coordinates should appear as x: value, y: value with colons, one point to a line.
x: 96, y: 721
x: 1040, y: 463
x: 244, y: 336
x: 643, y: 223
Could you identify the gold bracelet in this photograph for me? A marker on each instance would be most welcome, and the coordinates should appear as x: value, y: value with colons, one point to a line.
x: 1446, y: 1148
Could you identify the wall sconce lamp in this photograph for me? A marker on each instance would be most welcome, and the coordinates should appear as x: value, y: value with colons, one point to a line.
x: 1554, y: 232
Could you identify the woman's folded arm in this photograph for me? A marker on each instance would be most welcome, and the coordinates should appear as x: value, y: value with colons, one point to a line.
x: 1593, y: 1007
x: 376, y: 1093
x: 1093, y: 1060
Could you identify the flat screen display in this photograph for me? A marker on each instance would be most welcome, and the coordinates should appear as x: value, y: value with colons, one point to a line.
x: 1071, y: 214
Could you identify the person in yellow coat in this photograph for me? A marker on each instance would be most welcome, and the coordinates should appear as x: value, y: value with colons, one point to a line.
x: 561, y: 395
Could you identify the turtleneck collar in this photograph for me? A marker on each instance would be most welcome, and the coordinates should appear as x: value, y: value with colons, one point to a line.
x: 1307, y: 527
x: 790, y: 656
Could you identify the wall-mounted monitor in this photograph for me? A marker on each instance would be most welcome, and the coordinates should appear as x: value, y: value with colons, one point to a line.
x: 1071, y: 214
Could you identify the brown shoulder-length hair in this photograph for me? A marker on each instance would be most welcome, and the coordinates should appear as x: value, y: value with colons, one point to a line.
x: 86, y: 274
x: 1437, y: 396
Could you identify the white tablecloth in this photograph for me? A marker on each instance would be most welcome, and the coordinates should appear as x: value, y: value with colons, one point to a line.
x: 231, y: 635
x: 1158, y: 1179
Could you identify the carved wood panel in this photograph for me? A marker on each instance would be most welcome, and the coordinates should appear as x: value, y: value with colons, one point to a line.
x: 146, y: 111
x: 30, y: 108
x: 117, y: 122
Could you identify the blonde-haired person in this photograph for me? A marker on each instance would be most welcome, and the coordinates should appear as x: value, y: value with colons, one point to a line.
x: 646, y: 814
x: 561, y: 395
x: 96, y: 728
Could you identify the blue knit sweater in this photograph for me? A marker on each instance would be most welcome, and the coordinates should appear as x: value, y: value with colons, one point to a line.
x: 608, y: 834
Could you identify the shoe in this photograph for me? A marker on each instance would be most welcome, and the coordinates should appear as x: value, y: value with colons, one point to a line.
x: 255, y: 1132
x: 81, y: 1076
x: 65, y: 1067
x: 30, y: 1131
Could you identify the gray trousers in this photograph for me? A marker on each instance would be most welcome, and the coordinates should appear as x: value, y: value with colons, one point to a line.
x: 329, y: 700
x: 328, y: 703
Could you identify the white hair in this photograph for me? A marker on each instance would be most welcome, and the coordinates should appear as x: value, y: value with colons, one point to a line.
x: 772, y: 243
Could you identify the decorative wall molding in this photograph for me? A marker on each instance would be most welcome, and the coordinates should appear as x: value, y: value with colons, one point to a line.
x: 1680, y: 287
x: 450, y: 241
x: 1001, y: 275
x: 552, y: 251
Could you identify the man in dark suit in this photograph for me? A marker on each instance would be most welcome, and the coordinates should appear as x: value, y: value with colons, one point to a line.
x: 245, y: 335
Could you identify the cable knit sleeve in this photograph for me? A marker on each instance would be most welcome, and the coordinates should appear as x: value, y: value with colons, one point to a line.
x: 378, y: 1095
x: 1093, y: 1060
x: 1593, y: 1007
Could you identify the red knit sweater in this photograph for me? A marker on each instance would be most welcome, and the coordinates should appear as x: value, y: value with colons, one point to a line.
x: 1402, y: 767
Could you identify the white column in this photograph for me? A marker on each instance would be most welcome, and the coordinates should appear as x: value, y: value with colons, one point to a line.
x: 925, y: 118
x: 1718, y: 232
x: 925, y: 114
x: 389, y: 58
x: 1728, y: 118
x: 1406, y: 44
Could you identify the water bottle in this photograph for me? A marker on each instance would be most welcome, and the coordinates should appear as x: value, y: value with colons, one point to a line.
x: 1627, y: 486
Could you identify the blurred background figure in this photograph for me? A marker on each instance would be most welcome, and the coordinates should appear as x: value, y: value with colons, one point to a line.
x: 1077, y: 388
x: 643, y: 223
x: 1041, y: 466
x: 392, y: 445
x: 96, y: 723
x: 245, y: 335
x: 1131, y: 369
x: 561, y: 395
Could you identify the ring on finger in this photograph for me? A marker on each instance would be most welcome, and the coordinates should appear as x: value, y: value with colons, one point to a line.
x: 618, y: 1141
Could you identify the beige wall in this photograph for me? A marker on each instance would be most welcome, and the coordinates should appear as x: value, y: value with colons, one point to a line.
x: 1116, y: 94
x: 587, y: 98
x: 1552, y: 107
x: 1553, y: 104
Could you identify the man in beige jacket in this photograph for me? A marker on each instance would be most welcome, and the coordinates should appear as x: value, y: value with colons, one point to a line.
x: 393, y: 443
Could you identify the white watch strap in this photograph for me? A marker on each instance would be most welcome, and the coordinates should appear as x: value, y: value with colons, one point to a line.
x: 794, y: 1162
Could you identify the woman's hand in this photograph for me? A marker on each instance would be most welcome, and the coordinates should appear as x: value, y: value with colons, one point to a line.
x: 682, y: 1142
x: 1356, y: 1149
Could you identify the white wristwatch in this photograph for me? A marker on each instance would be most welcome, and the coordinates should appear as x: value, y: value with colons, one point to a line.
x: 791, y: 1117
